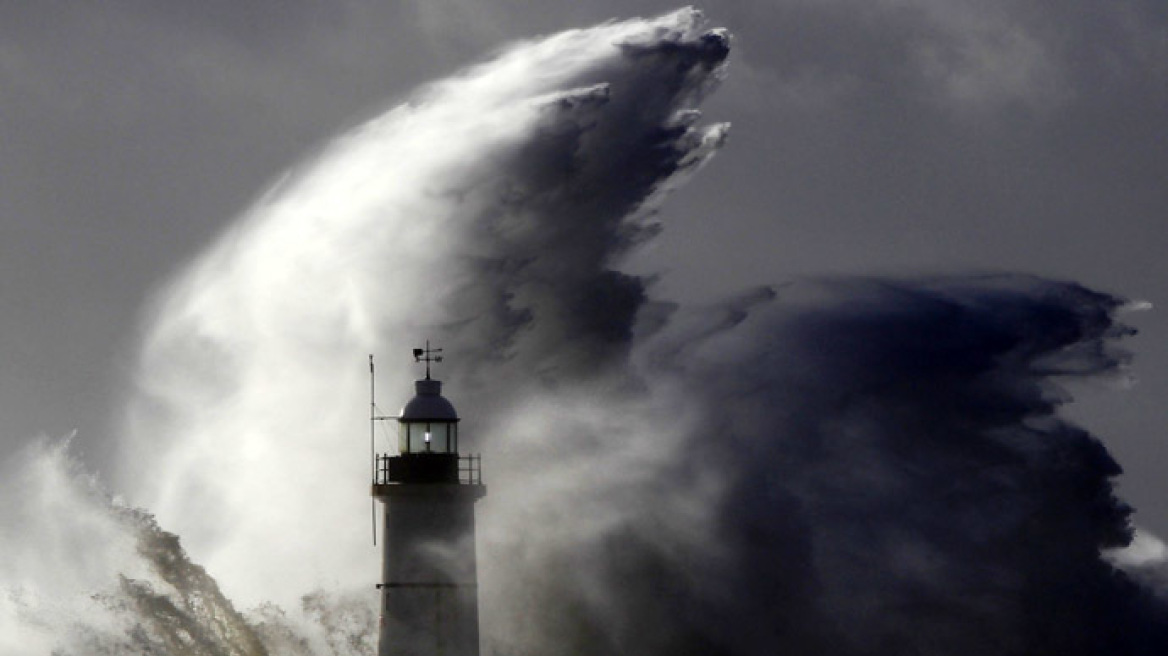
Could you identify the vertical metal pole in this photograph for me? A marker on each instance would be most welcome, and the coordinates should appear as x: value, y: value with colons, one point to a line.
x: 372, y: 449
x: 427, y: 359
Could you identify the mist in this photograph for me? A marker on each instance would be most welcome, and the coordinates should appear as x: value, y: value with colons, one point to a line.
x: 845, y: 465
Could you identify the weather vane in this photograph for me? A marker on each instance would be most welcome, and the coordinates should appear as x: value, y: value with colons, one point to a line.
x: 427, y: 355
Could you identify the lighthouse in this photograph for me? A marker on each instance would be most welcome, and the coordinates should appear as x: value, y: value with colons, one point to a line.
x: 427, y: 491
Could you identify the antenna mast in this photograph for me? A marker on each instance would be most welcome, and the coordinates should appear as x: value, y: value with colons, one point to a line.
x: 372, y: 449
x: 373, y: 419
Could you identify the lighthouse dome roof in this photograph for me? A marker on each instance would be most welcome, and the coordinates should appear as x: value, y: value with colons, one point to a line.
x: 428, y: 404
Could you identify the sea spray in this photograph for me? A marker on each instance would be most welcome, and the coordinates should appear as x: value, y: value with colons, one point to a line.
x: 486, y: 214
x: 850, y: 466
x: 494, y: 201
x: 86, y: 574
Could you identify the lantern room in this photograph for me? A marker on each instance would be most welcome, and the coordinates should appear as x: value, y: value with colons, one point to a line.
x: 428, y: 423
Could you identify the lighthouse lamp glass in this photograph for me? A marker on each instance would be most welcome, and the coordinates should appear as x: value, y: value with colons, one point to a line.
x: 431, y: 437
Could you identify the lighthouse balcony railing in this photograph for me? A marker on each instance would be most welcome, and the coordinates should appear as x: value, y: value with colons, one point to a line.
x: 469, y: 470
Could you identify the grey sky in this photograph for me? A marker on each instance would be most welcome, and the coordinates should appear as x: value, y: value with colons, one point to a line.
x: 868, y: 137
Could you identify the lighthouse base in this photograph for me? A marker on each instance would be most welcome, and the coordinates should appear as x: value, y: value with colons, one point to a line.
x: 429, y: 591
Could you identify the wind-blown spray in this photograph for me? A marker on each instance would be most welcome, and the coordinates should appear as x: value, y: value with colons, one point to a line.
x: 842, y: 466
x: 493, y: 204
x: 848, y: 466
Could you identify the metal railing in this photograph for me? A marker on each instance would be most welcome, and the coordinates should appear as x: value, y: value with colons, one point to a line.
x: 381, y: 470
x: 470, y: 469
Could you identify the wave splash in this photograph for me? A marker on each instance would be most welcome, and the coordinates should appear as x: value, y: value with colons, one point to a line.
x: 854, y: 466
x: 87, y: 574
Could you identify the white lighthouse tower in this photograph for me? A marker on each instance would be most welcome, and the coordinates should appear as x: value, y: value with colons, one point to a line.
x: 429, y: 579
